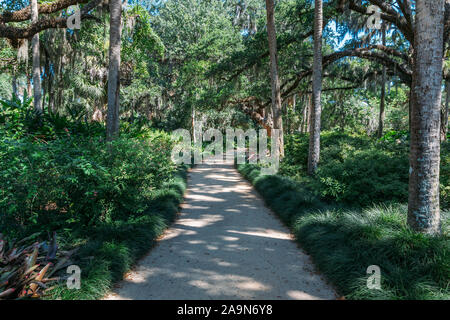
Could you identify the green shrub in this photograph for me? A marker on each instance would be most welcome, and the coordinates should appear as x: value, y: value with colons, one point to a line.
x: 109, y: 200
x: 413, y: 266
x: 358, y: 170
x: 344, y: 241
x: 365, y: 177
x: 75, y: 180
x: 324, y: 211
x: 109, y: 249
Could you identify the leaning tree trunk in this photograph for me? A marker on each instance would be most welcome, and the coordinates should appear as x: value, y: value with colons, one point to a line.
x: 423, y: 204
x: 112, y: 123
x: 444, y: 114
x: 275, y: 81
x: 383, y: 89
x: 36, y: 61
x: 316, y: 110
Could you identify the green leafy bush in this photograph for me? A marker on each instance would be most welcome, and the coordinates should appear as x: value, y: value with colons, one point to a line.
x: 364, y: 177
x: 76, y: 180
x: 358, y: 170
x: 18, y: 119
x: 324, y: 212
x: 116, y: 245
x: 343, y: 241
x: 109, y: 200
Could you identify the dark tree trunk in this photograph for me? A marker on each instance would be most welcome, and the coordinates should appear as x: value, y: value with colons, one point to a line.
x: 423, y: 204
x: 14, y: 84
x: 29, y: 93
x: 112, y: 123
x: 383, y: 90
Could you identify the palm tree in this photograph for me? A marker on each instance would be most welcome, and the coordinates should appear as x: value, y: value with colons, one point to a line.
x: 112, y: 123
x: 314, y: 135
x: 383, y: 88
x: 423, y: 204
x: 275, y: 81
x: 36, y: 61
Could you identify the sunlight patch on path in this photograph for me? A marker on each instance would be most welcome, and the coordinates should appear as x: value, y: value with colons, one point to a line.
x: 225, y: 245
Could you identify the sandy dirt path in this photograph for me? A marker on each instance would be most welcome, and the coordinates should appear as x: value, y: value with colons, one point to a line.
x: 225, y: 245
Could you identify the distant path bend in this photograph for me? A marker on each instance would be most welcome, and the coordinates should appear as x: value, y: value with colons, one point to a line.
x: 225, y: 245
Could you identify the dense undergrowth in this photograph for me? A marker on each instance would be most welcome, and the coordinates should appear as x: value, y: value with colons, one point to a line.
x: 109, y: 200
x: 353, y: 215
x: 108, y: 250
x: 359, y: 170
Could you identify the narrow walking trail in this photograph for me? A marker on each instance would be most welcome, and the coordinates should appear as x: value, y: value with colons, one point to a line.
x: 225, y: 245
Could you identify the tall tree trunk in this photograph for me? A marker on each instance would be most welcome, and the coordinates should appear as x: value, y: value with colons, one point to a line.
x: 14, y: 82
x: 383, y: 89
x: 275, y: 81
x: 342, y: 114
x: 50, y: 95
x: 423, y: 204
x: 47, y: 83
x: 294, y: 111
x: 444, y: 114
x: 59, y: 84
x: 285, y: 109
x: 194, y: 133
x: 44, y: 86
x: 316, y: 110
x: 112, y: 123
x: 36, y: 61
x: 307, y: 113
x: 304, y: 112
x: 29, y: 93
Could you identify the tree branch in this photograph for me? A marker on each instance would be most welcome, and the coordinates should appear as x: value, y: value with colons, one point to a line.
x: 266, y: 54
x: 404, y: 72
x: 25, y: 13
x: 405, y: 7
x: 27, y: 32
x: 392, y: 52
x: 388, y: 14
